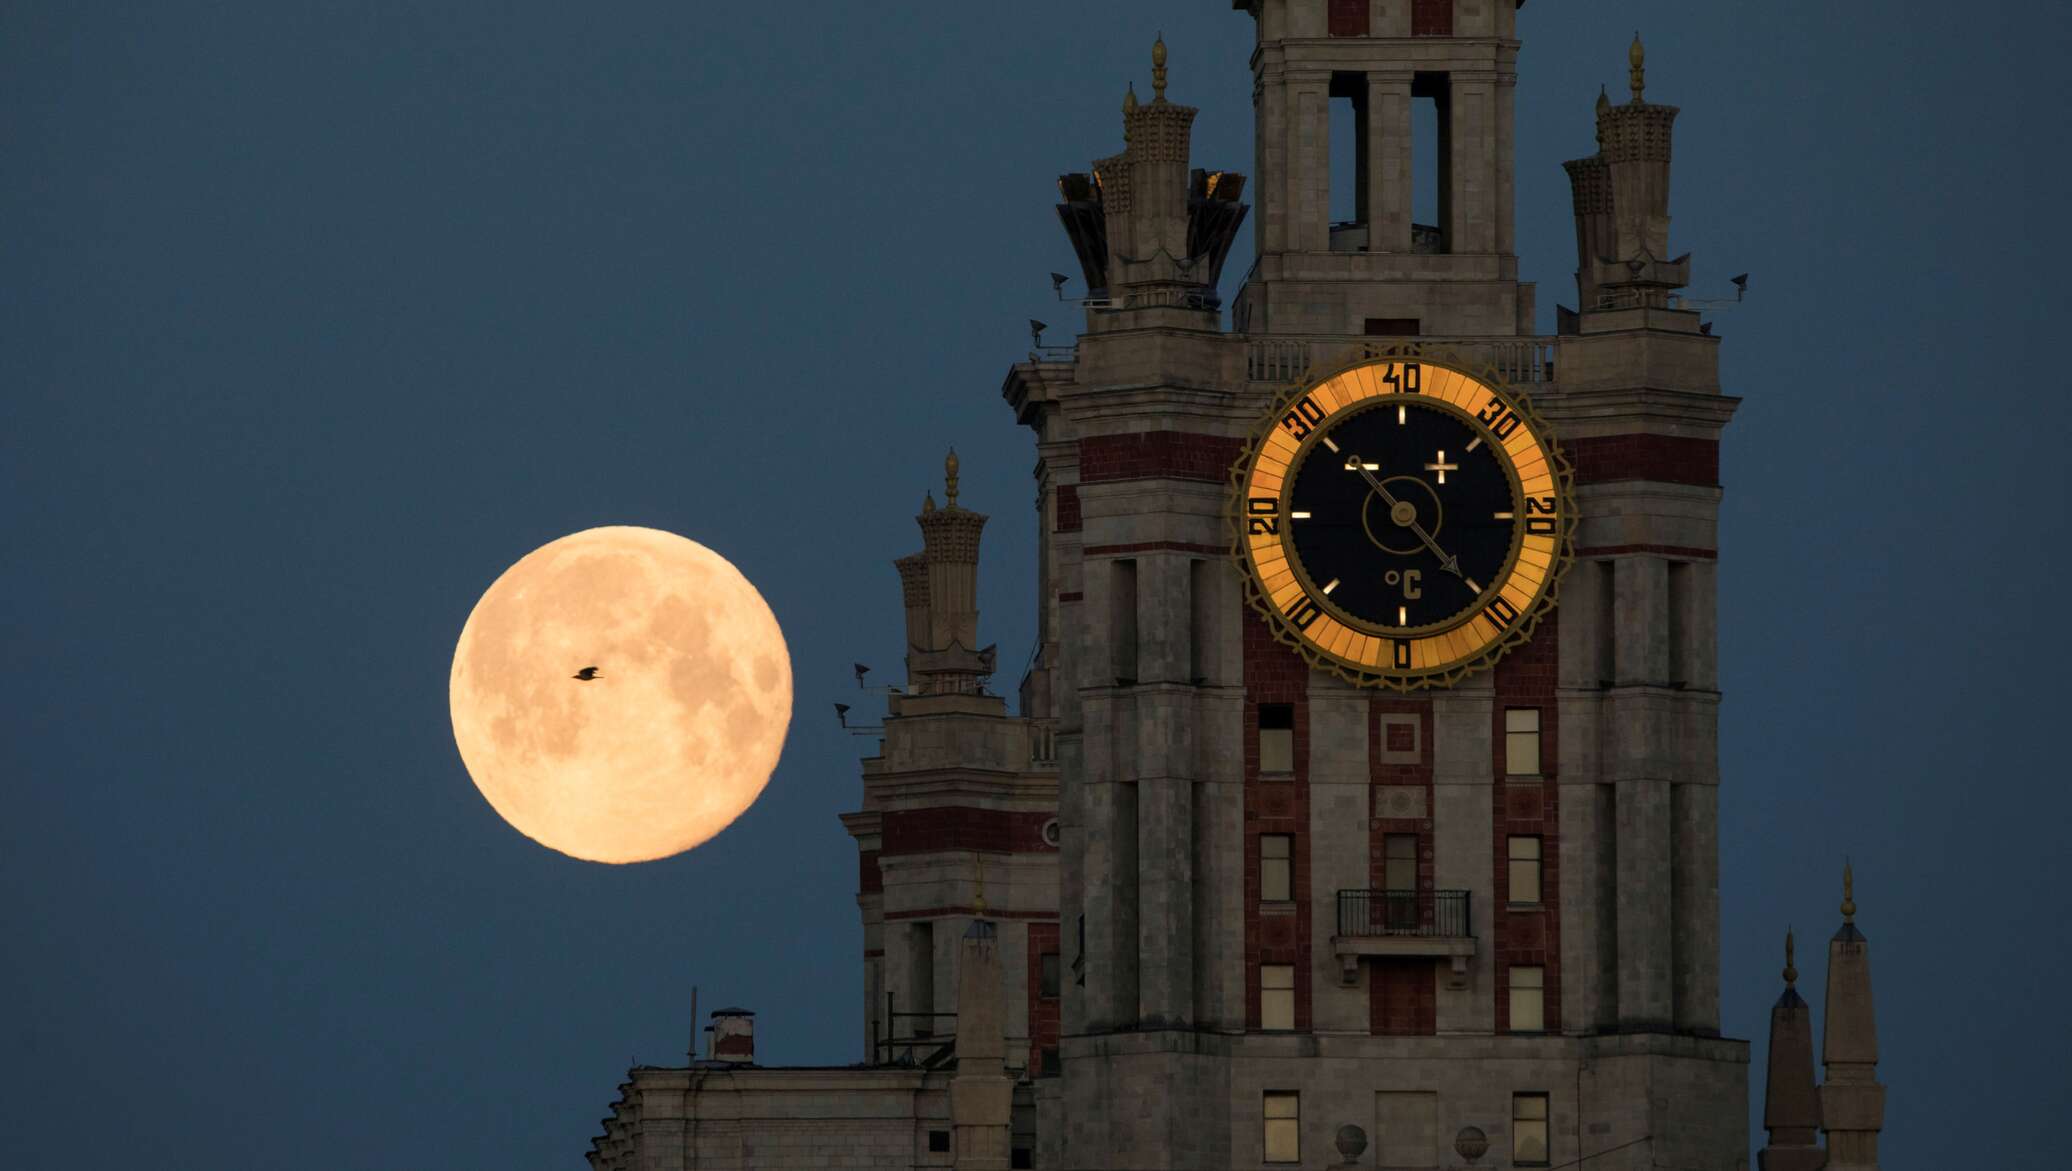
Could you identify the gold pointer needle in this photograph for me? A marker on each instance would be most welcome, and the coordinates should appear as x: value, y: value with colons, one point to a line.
x: 1448, y: 563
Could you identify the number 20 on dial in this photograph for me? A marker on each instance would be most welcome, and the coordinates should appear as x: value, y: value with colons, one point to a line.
x: 1403, y: 522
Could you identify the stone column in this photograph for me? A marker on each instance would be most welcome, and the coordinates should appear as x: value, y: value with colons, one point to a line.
x: 1336, y: 844
x: 1389, y: 163
x: 1310, y: 174
x: 1694, y: 861
x: 981, y: 1093
x: 1271, y: 193
x: 1463, y: 763
x: 1472, y: 150
x: 1644, y: 908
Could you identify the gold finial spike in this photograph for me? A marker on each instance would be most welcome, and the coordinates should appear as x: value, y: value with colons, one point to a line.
x: 949, y: 476
x: 1791, y: 970
x: 1129, y: 107
x: 1636, y: 56
x: 1848, y: 893
x: 1604, y: 101
x: 927, y: 502
x: 1158, y: 70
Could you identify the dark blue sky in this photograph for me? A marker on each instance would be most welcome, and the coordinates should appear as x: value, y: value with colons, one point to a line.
x: 315, y: 316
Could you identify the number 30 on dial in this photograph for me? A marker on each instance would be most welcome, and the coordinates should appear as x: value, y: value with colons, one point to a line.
x: 1403, y: 522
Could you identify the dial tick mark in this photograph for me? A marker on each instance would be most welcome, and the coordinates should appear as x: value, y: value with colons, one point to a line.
x: 1442, y: 467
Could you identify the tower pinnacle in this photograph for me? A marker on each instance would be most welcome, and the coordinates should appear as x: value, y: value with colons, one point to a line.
x: 949, y: 475
x: 1637, y: 58
x: 1848, y: 895
x: 1791, y: 1104
x: 1158, y: 69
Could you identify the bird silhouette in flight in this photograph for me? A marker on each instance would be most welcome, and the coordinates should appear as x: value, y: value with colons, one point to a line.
x: 586, y: 674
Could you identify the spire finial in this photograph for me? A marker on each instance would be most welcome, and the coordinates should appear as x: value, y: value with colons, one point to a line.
x: 1636, y: 57
x: 927, y: 502
x: 1129, y: 107
x: 978, y: 903
x: 1848, y: 893
x: 1158, y: 72
x: 949, y: 476
x: 1791, y: 970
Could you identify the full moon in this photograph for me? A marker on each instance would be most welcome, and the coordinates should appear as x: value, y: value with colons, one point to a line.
x: 669, y: 739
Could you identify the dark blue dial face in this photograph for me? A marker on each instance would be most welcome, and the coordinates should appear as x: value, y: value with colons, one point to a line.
x: 1403, y: 516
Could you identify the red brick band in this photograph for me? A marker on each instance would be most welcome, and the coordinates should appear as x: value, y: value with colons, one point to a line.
x: 969, y: 910
x: 963, y: 827
x: 1157, y: 455
x: 1068, y: 520
x: 1684, y: 551
x: 1155, y: 547
x: 1665, y: 459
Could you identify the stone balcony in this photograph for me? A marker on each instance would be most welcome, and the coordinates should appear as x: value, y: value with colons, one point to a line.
x: 1401, y: 924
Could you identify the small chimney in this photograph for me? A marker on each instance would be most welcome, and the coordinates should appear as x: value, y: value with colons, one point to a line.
x: 733, y: 1036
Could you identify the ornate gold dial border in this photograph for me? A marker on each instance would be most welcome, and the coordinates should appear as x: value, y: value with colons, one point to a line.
x: 1364, y: 657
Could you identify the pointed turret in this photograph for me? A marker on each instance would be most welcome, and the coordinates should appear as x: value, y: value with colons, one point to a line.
x: 1148, y: 231
x: 1791, y: 1104
x: 939, y: 586
x: 1622, y: 203
x: 1852, y: 1103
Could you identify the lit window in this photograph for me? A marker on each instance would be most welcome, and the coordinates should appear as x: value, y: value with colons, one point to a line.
x: 1528, y: 1000
x: 1283, y: 1112
x: 1529, y: 1129
x: 1047, y: 966
x: 1277, y: 996
x: 1525, y: 870
x: 1522, y: 741
x: 1276, y: 738
x: 1276, y: 868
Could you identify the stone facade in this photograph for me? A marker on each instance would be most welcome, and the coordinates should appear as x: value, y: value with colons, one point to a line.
x: 1209, y: 1012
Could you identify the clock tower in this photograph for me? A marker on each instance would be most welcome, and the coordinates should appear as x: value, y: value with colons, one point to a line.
x: 1466, y: 902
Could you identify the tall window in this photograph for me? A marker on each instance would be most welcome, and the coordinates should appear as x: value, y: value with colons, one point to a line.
x: 1047, y: 975
x: 1522, y: 741
x: 1399, y: 880
x: 1525, y: 870
x: 1276, y: 868
x: 1528, y: 1000
x: 1123, y: 604
x: 1277, y: 996
x: 1283, y: 1138
x: 1276, y: 738
x: 1529, y: 1129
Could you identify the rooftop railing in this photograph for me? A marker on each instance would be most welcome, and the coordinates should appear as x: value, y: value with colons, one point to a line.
x: 1291, y: 358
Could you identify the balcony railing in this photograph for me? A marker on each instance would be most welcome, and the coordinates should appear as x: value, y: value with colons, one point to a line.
x: 1291, y: 358
x: 1441, y: 914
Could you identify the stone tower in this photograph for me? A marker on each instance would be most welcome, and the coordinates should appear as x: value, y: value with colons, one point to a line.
x: 958, y: 814
x: 1542, y: 836
x: 1852, y: 1103
x: 1791, y: 1104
